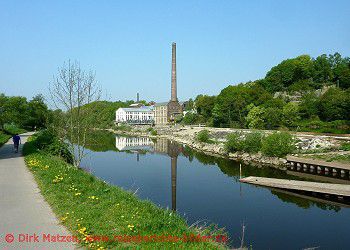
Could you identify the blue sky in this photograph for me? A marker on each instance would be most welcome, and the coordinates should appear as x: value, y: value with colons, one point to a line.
x: 128, y: 43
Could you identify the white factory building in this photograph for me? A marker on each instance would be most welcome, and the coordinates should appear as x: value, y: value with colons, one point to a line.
x: 135, y: 115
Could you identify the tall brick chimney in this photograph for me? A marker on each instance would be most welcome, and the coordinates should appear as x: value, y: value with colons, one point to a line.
x: 173, y: 74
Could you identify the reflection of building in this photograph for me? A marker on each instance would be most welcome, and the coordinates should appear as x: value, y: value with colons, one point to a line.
x: 135, y: 115
x: 161, y: 146
x: 166, y: 112
x: 173, y: 182
x: 133, y: 143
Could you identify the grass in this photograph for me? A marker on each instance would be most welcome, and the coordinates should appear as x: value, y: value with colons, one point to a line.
x: 204, y: 136
x: 8, y: 132
x: 4, y: 138
x: 90, y: 207
x: 342, y: 158
x: 13, y: 129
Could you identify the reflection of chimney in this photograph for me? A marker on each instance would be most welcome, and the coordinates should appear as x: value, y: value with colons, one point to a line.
x: 137, y: 97
x: 173, y: 182
x: 173, y: 74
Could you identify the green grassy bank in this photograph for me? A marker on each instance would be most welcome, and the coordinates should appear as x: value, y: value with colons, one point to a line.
x: 91, y: 208
x: 4, y: 137
x: 8, y: 132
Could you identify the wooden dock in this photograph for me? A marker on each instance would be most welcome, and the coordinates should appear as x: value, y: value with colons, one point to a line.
x: 338, y: 190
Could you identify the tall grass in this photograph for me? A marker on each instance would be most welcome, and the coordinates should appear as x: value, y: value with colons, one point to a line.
x: 90, y: 207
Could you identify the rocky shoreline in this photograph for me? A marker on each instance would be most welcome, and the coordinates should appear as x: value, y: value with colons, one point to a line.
x: 214, y: 149
x: 306, y: 142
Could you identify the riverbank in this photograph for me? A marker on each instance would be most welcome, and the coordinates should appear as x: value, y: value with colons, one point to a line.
x: 306, y: 142
x: 102, y: 216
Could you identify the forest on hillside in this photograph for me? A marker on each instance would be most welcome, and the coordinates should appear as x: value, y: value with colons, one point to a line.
x: 301, y: 93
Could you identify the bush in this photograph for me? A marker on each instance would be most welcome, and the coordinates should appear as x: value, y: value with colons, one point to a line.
x: 203, y: 136
x: 13, y: 129
x: 47, y: 141
x: 252, y: 142
x: 278, y: 144
x: 234, y: 142
x: 345, y: 146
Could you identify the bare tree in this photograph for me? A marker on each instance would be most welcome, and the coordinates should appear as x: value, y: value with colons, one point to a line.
x: 71, y: 89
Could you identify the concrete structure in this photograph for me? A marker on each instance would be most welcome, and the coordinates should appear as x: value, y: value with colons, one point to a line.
x: 318, y: 167
x: 135, y: 115
x: 339, y: 190
x: 167, y: 112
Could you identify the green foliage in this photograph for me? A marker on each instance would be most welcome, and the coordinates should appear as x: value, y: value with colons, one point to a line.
x: 102, y: 113
x: 191, y: 118
x: 153, y: 132
x: 335, y: 105
x: 231, y: 103
x: 288, y: 72
x: 255, y: 118
x: 204, y: 105
x: 234, y: 142
x: 203, y: 136
x: 250, y: 142
x: 4, y: 138
x: 308, y: 106
x: 123, y: 127
x: 46, y: 140
x: 290, y: 114
x: 345, y: 146
x: 12, y: 129
x: 87, y: 205
x: 278, y: 144
x: 18, y: 111
x: 316, y: 125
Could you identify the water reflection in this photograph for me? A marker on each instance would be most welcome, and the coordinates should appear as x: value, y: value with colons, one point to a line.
x: 140, y: 145
x: 160, y: 146
x: 203, y: 187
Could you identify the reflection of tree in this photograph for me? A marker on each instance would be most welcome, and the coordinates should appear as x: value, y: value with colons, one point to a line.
x: 303, y: 202
x: 102, y: 141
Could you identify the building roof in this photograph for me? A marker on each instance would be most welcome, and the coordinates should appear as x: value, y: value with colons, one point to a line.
x: 164, y: 104
x: 158, y: 104
x: 140, y: 109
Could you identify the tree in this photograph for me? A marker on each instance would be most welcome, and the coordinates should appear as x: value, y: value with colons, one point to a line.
x: 71, y: 89
x: 255, y: 118
x: 290, y: 114
x: 288, y: 72
x: 204, y: 105
x: 37, y: 112
x: 308, y: 106
x: 335, y: 105
x: 322, y: 69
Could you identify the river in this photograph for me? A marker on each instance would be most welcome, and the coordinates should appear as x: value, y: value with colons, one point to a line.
x: 207, y: 190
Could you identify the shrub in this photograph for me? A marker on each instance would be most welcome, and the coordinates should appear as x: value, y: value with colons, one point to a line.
x: 13, y: 129
x: 252, y: 142
x: 278, y: 144
x: 48, y: 141
x: 234, y: 142
x: 203, y: 136
x: 345, y: 146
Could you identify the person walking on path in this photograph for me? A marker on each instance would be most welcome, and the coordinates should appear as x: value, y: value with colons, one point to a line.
x: 16, y: 141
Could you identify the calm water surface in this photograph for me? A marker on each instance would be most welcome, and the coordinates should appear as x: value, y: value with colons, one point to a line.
x: 206, y: 189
